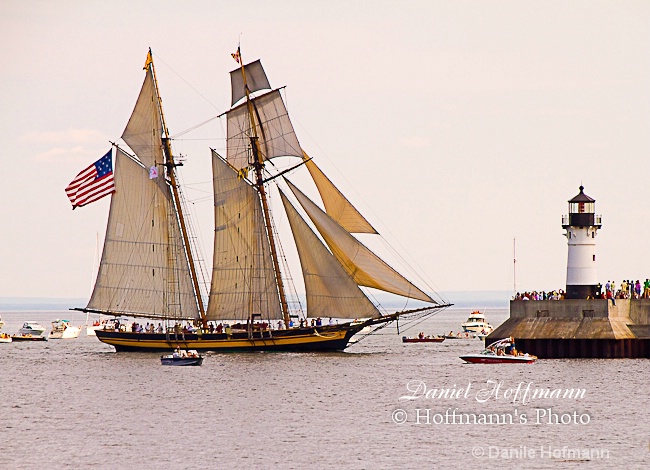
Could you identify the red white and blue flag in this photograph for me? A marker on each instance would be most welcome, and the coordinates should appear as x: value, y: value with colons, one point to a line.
x: 237, y: 55
x: 93, y: 183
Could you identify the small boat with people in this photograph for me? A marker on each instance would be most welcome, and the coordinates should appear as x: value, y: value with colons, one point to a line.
x: 476, y: 323
x: 61, y: 329
x: 460, y: 335
x: 28, y: 337
x: 182, y: 357
x: 5, y: 338
x: 420, y: 338
x: 500, y: 352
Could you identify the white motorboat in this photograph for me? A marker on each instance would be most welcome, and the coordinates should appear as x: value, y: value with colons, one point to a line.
x: 31, y: 328
x: 500, y: 352
x: 476, y: 323
x: 61, y: 329
x: 2, y: 323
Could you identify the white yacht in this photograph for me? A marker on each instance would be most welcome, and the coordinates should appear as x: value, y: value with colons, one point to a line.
x: 61, y: 329
x: 31, y: 328
x: 2, y: 323
x: 476, y: 323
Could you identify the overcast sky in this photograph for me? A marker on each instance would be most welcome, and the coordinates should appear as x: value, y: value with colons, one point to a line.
x: 455, y: 126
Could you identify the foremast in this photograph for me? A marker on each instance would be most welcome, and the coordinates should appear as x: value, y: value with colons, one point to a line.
x: 258, y: 167
x: 170, y: 165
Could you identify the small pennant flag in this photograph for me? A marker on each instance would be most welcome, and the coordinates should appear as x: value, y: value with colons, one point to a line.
x: 148, y: 61
x: 153, y: 172
x: 93, y: 183
x: 237, y: 56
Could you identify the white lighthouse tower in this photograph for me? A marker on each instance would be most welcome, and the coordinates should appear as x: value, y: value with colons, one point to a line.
x: 581, y: 226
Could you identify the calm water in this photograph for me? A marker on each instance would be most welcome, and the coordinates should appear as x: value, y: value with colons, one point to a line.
x: 78, y: 404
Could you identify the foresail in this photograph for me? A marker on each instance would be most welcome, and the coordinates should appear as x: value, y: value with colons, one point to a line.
x: 243, y: 279
x: 330, y: 290
x: 144, y: 269
x: 255, y: 80
x: 143, y: 131
x: 336, y: 204
x: 276, y: 134
x: 366, y: 268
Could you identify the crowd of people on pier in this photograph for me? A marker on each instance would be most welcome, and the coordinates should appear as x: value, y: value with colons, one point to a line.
x: 628, y: 289
x: 542, y: 295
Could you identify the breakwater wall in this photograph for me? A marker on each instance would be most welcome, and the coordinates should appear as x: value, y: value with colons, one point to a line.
x: 579, y: 328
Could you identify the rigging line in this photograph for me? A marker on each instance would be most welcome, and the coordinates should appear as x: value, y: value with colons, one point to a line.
x: 175, y: 136
x: 158, y: 58
x: 424, y: 315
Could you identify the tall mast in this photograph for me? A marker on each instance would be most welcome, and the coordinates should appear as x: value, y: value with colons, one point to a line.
x: 514, y: 265
x: 171, y: 165
x: 258, y: 165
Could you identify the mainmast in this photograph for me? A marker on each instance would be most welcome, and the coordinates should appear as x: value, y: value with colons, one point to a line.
x: 258, y: 166
x: 170, y: 164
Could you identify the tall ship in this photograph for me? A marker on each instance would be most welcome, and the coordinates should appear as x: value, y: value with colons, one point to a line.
x: 148, y: 267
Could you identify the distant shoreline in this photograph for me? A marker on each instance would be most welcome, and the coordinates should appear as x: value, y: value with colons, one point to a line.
x: 460, y: 299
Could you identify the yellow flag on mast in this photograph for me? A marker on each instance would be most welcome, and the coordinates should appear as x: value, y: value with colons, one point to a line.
x: 149, y: 60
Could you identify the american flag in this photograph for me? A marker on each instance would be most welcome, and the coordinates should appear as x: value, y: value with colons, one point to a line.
x: 93, y: 183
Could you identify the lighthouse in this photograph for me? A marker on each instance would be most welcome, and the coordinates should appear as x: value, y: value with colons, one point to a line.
x: 581, y: 226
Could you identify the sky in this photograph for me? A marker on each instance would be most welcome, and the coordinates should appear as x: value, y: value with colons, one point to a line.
x: 459, y: 128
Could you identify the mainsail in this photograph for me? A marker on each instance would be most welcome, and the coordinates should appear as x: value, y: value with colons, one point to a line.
x: 143, y: 270
x: 243, y: 280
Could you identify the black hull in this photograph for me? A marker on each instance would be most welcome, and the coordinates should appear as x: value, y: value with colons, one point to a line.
x: 330, y: 338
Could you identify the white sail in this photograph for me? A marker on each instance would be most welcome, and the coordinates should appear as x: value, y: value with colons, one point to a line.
x: 243, y: 279
x: 336, y: 204
x: 330, y: 291
x: 273, y: 127
x: 144, y: 269
x: 143, y: 131
x: 366, y: 268
x: 255, y: 80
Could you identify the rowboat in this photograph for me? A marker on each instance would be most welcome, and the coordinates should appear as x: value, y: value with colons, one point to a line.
x: 426, y: 339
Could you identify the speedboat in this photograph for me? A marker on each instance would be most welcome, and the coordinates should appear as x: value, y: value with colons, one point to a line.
x: 61, y: 329
x: 5, y: 338
x: 423, y: 339
x: 476, y: 323
x: 182, y: 357
x: 500, y: 352
x: 31, y: 328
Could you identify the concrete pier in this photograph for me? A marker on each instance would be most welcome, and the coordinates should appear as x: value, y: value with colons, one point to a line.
x: 577, y: 328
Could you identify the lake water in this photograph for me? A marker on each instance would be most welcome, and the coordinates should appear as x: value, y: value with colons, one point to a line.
x: 78, y: 404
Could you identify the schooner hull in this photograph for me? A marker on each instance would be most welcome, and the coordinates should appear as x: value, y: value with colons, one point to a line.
x: 294, y: 340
